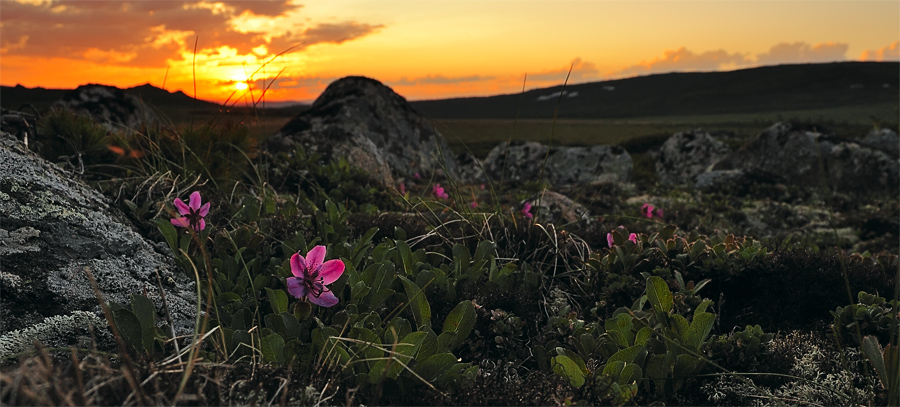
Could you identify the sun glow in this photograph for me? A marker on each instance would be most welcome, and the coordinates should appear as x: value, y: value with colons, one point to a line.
x: 240, y: 85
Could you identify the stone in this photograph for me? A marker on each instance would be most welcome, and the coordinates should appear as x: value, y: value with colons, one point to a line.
x: 52, y: 228
x: 470, y: 170
x: 109, y: 106
x: 554, y: 207
x: 530, y: 162
x: 795, y: 155
x: 686, y: 155
x: 885, y: 140
x: 371, y: 126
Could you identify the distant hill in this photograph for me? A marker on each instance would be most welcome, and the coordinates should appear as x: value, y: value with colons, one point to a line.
x: 14, y: 97
x: 763, y: 89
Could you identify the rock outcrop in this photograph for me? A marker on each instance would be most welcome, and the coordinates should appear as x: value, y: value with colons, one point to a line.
x: 109, y: 106
x: 686, y: 155
x: 531, y: 162
x: 793, y: 155
x: 371, y: 126
x: 556, y: 208
x: 885, y: 140
x: 52, y: 228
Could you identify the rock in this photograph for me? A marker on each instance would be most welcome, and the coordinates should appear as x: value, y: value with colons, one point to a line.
x: 524, y: 161
x: 374, y: 128
x: 20, y: 124
x: 53, y: 227
x: 885, y: 140
x: 109, y: 106
x: 469, y: 169
x: 556, y: 208
x: 686, y: 155
x: 797, y: 156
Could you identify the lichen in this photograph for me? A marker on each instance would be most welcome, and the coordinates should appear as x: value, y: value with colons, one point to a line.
x: 18, y: 241
x: 51, y: 329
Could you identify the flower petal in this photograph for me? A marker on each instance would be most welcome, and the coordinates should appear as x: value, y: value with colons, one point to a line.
x: 633, y: 238
x: 331, y: 270
x: 181, y: 222
x: 201, y: 226
x: 327, y: 299
x: 609, y: 239
x: 296, y: 287
x: 195, y: 200
x: 204, y: 210
x: 315, y: 257
x: 298, y: 265
x: 182, y: 208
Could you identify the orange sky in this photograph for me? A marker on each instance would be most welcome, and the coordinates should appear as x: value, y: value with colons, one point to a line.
x: 423, y: 49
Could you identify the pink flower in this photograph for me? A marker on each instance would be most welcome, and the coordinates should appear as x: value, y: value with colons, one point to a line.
x: 650, y: 211
x: 473, y: 204
x: 439, y: 191
x: 311, y: 276
x: 526, y: 210
x: 417, y: 176
x: 610, y: 241
x: 192, y: 215
x: 633, y: 238
x: 402, y: 189
x: 482, y: 186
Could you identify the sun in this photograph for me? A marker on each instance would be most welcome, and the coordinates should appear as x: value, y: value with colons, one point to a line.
x: 240, y: 85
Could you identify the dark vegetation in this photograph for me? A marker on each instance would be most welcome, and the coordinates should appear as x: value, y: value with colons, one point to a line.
x: 443, y: 304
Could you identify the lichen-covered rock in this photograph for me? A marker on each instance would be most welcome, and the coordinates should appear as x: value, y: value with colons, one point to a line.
x: 556, y: 208
x: 799, y: 156
x: 109, y: 106
x: 686, y: 155
x: 371, y: 126
x: 52, y: 228
x: 885, y: 140
x: 531, y: 162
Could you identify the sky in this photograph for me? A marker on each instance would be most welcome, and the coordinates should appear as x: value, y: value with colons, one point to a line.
x: 290, y: 50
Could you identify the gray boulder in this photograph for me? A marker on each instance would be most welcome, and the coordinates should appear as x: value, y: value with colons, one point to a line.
x: 109, y: 106
x: 686, y: 155
x: 885, y: 140
x: 52, y: 228
x: 556, y: 208
x: 794, y: 155
x: 371, y: 126
x: 530, y: 161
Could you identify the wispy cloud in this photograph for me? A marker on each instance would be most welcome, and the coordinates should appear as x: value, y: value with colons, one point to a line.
x: 581, y: 71
x: 801, y: 52
x: 683, y: 59
x: 886, y: 53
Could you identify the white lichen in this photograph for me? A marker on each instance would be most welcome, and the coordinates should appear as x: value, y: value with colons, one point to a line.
x: 50, y: 329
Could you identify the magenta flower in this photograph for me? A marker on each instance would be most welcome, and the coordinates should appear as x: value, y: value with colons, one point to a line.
x: 610, y: 241
x: 192, y: 215
x: 439, y: 191
x: 311, y: 276
x: 526, y: 210
x: 473, y: 204
x: 633, y: 238
x: 402, y: 189
x: 650, y: 211
x: 417, y: 176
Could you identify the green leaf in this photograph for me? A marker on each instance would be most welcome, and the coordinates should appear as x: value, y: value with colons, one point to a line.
x: 272, y: 348
x: 643, y: 335
x: 277, y: 300
x: 873, y: 351
x: 630, y: 374
x: 129, y: 327
x: 404, y: 352
x: 568, y: 369
x: 146, y: 313
x: 292, y: 328
x: 699, y: 330
x: 431, y: 367
x: 430, y: 346
x: 626, y: 355
x: 658, y: 294
x: 417, y: 302
x: 169, y: 233
x: 369, y: 349
x: 460, y: 321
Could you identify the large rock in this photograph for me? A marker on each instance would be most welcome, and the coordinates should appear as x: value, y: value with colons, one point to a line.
x: 686, y: 155
x: 556, y: 208
x: 798, y: 156
x: 530, y: 161
x: 374, y: 128
x: 52, y: 228
x: 109, y: 106
x: 885, y: 140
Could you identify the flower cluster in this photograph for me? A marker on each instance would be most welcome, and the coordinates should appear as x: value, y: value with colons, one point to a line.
x: 192, y: 214
x: 609, y: 237
x: 526, y: 210
x: 438, y: 191
x: 311, y: 276
x: 650, y: 211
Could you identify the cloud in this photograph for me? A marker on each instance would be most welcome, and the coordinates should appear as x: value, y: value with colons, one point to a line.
x: 439, y: 80
x: 683, y: 59
x: 886, y: 53
x: 581, y: 71
x: 150, y: 33
x: 801, y: 52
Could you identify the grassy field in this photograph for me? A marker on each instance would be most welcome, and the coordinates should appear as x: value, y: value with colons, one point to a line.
x: 481, y: 135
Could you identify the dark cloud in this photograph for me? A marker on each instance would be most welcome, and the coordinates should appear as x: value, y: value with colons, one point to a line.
x: 439, y: 80
x: 147, y: 33
x: 683, y: 59
x: 801, y: 52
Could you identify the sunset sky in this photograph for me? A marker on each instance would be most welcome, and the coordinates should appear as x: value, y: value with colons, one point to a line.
x: 425, y: 49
